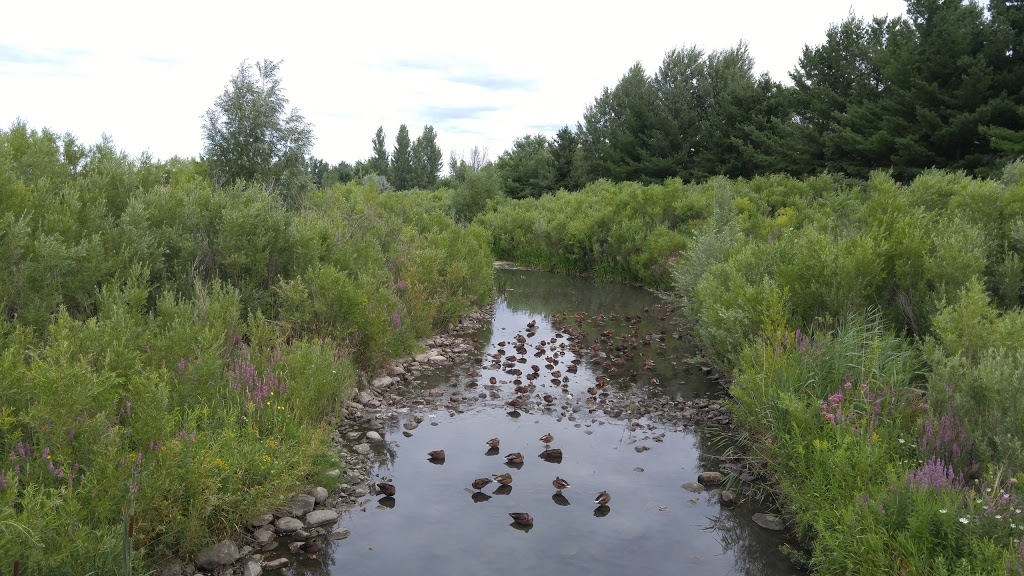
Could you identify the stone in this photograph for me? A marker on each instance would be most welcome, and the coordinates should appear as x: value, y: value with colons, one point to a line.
x: 341, y: 534
x: 695, y: 487
x: 374, y: 437
x: 361, y: 449
x: 366, y: 398
x: 262, y: 521
x: 252, y: 568
x: 287, y: 525
x: 421, y: 358
x: 224, y: 552
x: 438, y: 359
x: 336, y: 473
x: 410, y: 424
x: 396, y: 370
x: 710, y: 478
x: 301, y: 534
x: 321, y: 517
x: 176, y: 568
x: 727, y: 497
x: 769, y: 521
x: 381, y: 382
x: 263, y: 536
x: 353, y: 436
x: 276, y: 564
x: 319, y: 494
x: 297, y: 506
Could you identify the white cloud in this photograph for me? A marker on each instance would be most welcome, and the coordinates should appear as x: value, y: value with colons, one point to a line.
x: 483, y: 74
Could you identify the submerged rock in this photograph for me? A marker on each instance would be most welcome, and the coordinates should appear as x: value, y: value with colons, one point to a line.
x: 710, y: 478
x: 769, y: 521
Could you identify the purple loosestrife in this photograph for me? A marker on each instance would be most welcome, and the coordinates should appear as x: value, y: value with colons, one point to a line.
x: 396, y: 320
x: 256, y: 388
x: 935, y: 475
x: 3, y: 482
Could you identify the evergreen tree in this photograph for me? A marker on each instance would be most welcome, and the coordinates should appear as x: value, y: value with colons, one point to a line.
x: 379, y: 163
x: 401, y: 161
x: 426, y: 159
x: 563, y: 155
x: 528, y: 169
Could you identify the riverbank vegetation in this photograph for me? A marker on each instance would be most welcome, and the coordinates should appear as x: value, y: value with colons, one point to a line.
x: 172, y: 351
x: 871, y: 332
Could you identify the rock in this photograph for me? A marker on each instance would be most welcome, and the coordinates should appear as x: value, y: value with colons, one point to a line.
x: 301, y: 534
x: 361, y: 449
x: 396, y: 370
x: 695, y: 487
x: 262, y: 521
x: 727, y: 497
x: 341, y: 534
x: 381, y: 382
x: 353, y: 436
x: 642, y: 448
x: 225, y: 552
x: 366, y: 398
x: 319, y: 494
x: 287, y: 525
x: 410, y: 425
x: 336, y: 473
x: 769, y: 521
x: 263, y: 536
x: 438, y: 359
x: 297, y: 506
x: 374, y: 437
x: 175, y: 568
x: 421, y: 358
x: 321, y: 517
x: 252, y: 568
x: 276, y: 564
x: 710, y: 478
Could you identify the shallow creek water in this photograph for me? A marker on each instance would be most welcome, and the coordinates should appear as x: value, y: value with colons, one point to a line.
x: 437, y: 524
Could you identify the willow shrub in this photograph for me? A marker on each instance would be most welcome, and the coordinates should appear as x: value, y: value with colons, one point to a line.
x: 172, y: 352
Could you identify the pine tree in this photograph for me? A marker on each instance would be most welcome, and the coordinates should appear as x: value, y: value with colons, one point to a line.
x: 426, y: 159
x: 401, y: 161
x: 379, y: 162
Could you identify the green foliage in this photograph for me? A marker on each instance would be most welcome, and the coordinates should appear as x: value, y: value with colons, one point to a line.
x: 173, y: 350
x: 473, y: 192
x: 528, y: 169
x: 380, y: 162
x: 248, y: 135
x: 426, y: 159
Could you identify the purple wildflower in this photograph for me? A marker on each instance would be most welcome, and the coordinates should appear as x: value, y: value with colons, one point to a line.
x: 936, y: 474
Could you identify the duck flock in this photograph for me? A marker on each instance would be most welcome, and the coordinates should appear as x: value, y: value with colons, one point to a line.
x: 549, y: 372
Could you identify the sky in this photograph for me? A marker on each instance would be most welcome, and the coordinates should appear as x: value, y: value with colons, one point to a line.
x: 481, y: 73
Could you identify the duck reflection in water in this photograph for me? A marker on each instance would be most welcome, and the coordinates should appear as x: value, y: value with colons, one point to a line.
x: 479, y: 497
x: 491, y: 452
x: 386, y: 502
x: 560, y: 499
x: 503, y: 490
x: 602, y: 511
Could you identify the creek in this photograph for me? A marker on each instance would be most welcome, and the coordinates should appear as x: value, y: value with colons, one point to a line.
x: 632, y: 437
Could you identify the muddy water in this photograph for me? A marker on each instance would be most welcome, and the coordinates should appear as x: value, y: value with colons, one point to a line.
x: 438, y: 524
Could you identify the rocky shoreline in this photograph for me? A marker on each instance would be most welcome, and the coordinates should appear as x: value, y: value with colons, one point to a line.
x: 397, y: 396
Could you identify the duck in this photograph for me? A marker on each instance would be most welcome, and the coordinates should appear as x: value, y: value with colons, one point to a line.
x: 436, y: 454
x: 514, y: 458
x: 521, y: 518
x: 503, y: 479
x: 547, y: 438
x: 479, y: 483
x: 312, y: 547
x: 386, y: 488
x: 494, y: 442
x: 603, y: 498
x: 552, y: 454
x: 560, y: 484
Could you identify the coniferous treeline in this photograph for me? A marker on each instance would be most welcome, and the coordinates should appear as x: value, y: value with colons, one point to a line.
x: 942, y: 87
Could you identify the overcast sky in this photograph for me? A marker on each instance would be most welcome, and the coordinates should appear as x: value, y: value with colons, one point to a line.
x: 482, y: 73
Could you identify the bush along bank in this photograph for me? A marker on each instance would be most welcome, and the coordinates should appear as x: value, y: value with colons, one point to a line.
x: 868, y: 329
x: 173, y: 354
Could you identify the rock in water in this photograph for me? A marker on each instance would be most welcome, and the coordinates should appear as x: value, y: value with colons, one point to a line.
x: 225, y: 552
x: 769, y: 521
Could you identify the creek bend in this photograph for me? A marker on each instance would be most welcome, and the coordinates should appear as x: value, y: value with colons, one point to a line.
x: 634, y: 443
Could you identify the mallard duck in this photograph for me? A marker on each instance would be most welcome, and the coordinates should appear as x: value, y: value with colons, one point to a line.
x: 503, y: 479
x: 603, y: 498
x: 547, y: 438
x: 479, y: 483
x: 514, y: 458
x: 436, y: 454
x: 312, y: 547
x: 560, y: 484
x: 494, y: 442
x: 552, y: 454
x: 521, y: 518
x: 386, y: 488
